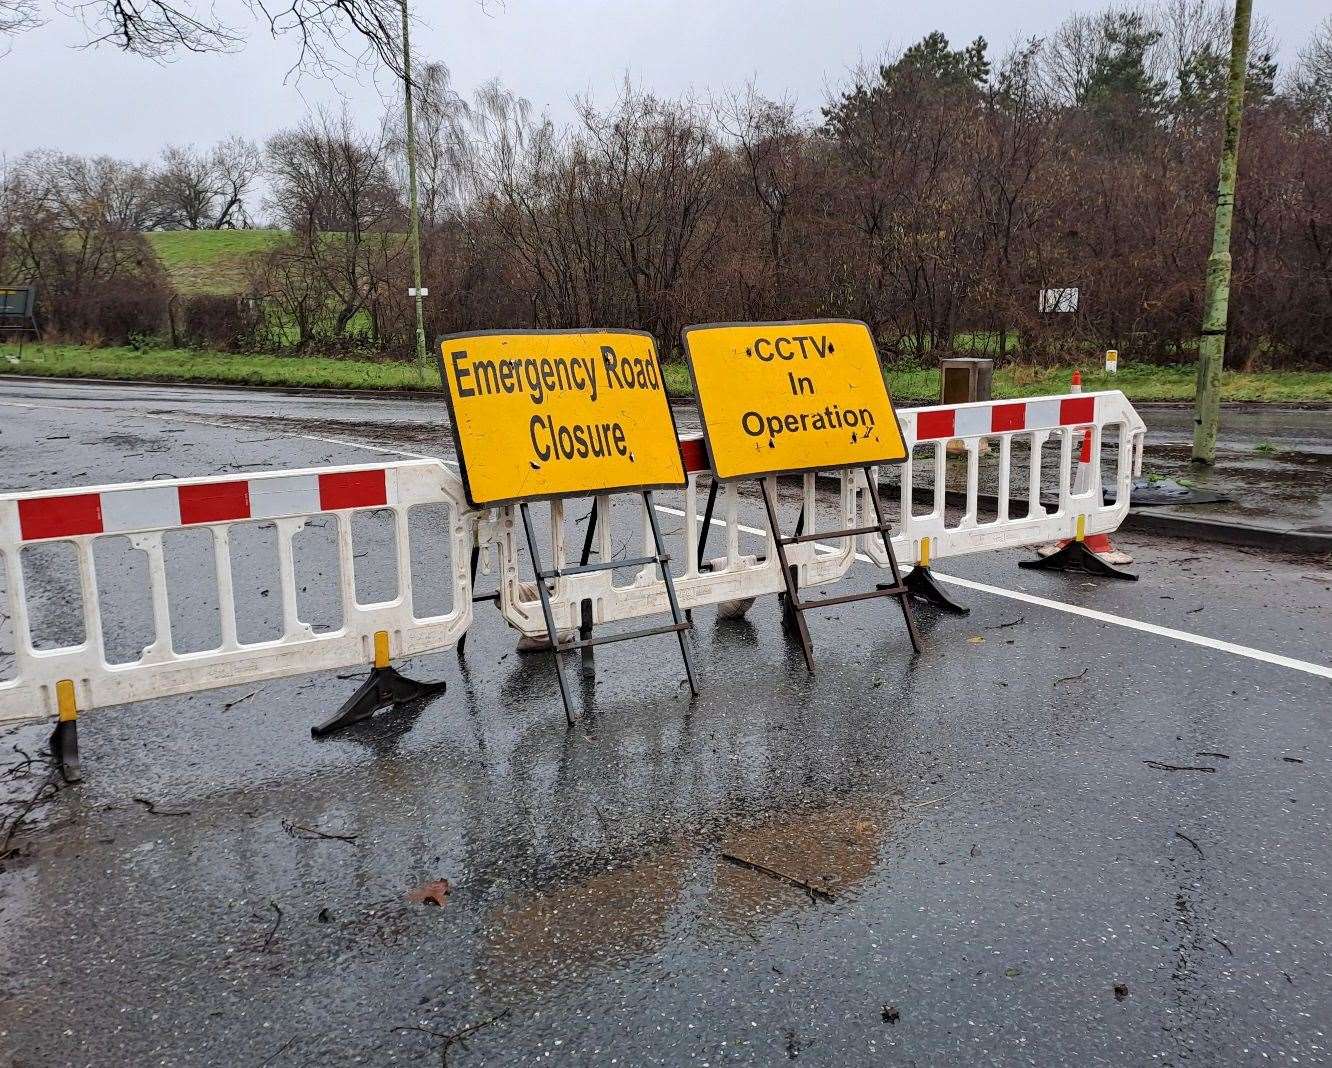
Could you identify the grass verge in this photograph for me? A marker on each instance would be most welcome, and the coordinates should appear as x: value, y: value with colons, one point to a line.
x: 209, y: 261
x: 908, y: 385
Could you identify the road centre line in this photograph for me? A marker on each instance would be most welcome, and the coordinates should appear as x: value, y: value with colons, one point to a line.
x: 1248, y: 652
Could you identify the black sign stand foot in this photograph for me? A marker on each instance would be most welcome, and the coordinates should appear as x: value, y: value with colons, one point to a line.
x: 677, y: 626
x: 796, y: 607
x: 1075, y: 556
x: 923, y: 586
x: 384, y: 687
x: 65, y: 749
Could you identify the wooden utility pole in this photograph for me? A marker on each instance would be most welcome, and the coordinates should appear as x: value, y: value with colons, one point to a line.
x: 413, y: 209
x: 1212, y: 344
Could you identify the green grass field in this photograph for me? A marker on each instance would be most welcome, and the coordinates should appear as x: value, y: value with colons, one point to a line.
x: 209, y: 261
x: 1144, y: 383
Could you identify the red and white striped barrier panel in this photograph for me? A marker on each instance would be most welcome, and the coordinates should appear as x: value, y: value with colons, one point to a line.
x: 51, y: 681
x: 195, y: 502
x: 1022, y: 437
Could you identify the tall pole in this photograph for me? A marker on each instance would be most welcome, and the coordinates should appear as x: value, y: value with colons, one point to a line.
x: 413, y: 208
x: 1212, y: 344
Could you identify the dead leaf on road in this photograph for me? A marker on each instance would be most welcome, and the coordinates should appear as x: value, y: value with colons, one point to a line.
x: 435, y: 892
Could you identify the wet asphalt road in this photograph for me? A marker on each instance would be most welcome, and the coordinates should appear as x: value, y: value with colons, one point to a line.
x: 998, y: 852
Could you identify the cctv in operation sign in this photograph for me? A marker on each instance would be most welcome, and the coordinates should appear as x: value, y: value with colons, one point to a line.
x: 554, y: 413
x: 794, y: 396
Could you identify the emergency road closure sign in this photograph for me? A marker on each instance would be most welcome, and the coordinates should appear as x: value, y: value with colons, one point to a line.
x: 553, y: 413
x: 797, y: 396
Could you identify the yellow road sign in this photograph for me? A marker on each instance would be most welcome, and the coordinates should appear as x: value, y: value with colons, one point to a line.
x: 794, y: 396
x: 554, y: 413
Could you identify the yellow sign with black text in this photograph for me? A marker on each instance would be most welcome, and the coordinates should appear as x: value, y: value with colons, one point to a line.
x: 795, y: 396
x: 555, y: 413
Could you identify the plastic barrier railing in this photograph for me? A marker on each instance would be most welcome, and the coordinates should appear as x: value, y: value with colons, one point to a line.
x: 144, y: 511
x: 1039, y: 426
x: 1045, y: 428
x: 732, y: 575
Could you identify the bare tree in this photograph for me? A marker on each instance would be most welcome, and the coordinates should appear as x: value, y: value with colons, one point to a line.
x: 195, y: 190
x: 778, y: 161
x: 332, y: 188
x: 70, y: 225
x: 17, y: 16
x: 330, y: 35
x: 1311, y: 84
x: 443, y: 145
x: 73, y: 189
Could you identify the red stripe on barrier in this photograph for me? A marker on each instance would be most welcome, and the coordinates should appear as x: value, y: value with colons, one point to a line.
x: 1075, y: 410
x: 1008, y: 417
x: 60, y: 517
x: 353, y: 489
x: 935, y: 424
x: 694, y: 453
x: 214, y: 502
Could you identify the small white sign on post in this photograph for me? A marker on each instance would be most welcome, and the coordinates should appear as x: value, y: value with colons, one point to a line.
x: 1111, y: 361
x: 1059, y: 300
x: 412, y: 291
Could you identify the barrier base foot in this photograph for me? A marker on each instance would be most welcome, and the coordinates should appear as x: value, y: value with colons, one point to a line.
x: 923, y: 586
x: 384, y: 687
x: 65, y: 749
x: 1075, y: 556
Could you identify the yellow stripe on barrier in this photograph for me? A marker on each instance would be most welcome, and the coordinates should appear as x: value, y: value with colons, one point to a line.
x: 924, y: 553
x: 381, y: 649
x: 65, y: 700
x: 1082, y: 529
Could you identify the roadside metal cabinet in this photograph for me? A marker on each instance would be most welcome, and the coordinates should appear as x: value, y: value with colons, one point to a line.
x: 963, y: 379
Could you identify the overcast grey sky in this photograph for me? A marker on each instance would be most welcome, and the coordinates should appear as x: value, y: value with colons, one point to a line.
x: 100, y: 100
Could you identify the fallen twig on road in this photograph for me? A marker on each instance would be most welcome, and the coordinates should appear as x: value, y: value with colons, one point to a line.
x: 276, y: 924
x: 1159, y: 766
x: 924, y: 804
x: 298, y: 830
x: 1073, y: 678
x: 233, y: 704
x: 153, y: 810
x: 1223, y: 945
x: 458, y: 1036
x: 1010, y: 623
x: 1219, y: 756
x: 814, y: 892
x: 1181, y: 834
x: 32, y: 802
x: 277, y: 1052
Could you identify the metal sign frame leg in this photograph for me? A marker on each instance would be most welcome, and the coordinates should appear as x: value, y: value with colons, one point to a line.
x: 898, y: 589
x: 678, y: 625
x: 677, y: 617
x: 790, y: 574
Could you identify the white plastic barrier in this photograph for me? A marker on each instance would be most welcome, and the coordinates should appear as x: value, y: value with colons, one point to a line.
x: 1039, y: 420
x: 144, y: 511
x: 732, y: 576
x: 736, y: 576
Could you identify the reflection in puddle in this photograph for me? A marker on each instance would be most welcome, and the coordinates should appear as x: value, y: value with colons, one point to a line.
x: 613, y: 918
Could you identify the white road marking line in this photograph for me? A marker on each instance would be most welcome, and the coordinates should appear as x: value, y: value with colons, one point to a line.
x: 1147, y: 628
x: 1201, y: 640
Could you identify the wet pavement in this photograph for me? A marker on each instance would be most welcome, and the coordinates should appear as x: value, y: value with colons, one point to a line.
x: 1275, y: 464
x: 998, y: 873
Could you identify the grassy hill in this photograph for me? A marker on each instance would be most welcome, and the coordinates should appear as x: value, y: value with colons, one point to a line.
x: 209, y: 261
